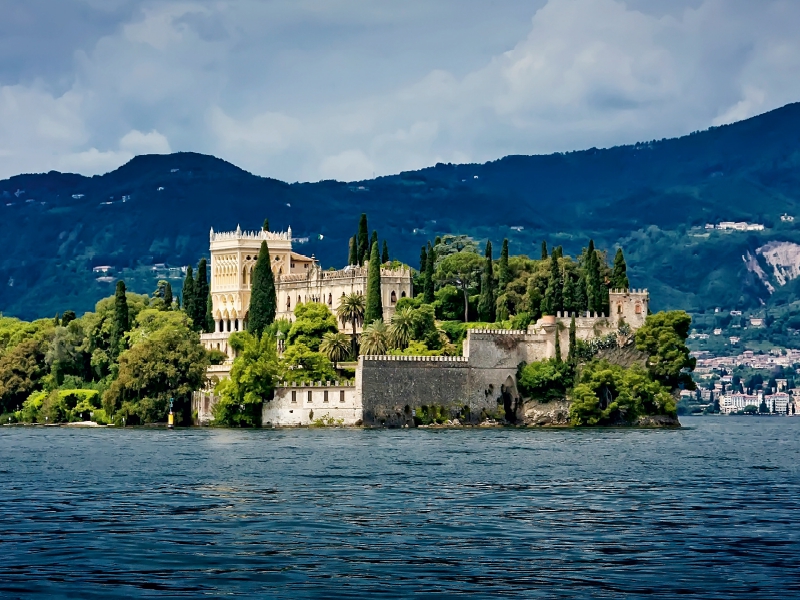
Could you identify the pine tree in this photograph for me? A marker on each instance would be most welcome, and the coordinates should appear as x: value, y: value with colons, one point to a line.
x: 121, y: 322
x: 363, y: 240
x: 504, y: 275
x: 553, y: 298
x: 558, y: 344
x: 486, y: 303
x: 189, y: 293
x: 428, y: 293
x: 352, y: 258
x: 201, y: 292
x: 544, y: 250
x: 168, y: 296
x: 385, y: 253
x: 209, y: 322
x: 374, y: 307
x: 619, y: 276
x: 263, y: 303
x: 573, y: 348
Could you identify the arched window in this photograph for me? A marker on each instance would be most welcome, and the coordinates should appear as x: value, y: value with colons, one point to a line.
x: 638, y: 309
x: 288, y: 302
x: 298, y: 299
x: 244, y: 275
x: 402, y: 294
x: 394, y: 297
x: 330, y: 299
x: 619, y: 309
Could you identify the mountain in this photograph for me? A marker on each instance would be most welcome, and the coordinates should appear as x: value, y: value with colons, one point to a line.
x: 654, y: 198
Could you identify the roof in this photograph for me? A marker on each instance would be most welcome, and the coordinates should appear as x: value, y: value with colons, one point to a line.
x: 300, y: 257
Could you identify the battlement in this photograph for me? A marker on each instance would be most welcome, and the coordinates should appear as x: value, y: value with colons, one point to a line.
x: 393, y: 357
x: 474, y: 332
x: 630, y: 291
x: 250, y: 235
x: 314, y: 384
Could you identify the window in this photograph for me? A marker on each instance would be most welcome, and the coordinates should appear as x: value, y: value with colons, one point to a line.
x: 638, y: 309
x: 394, y: 297
x: 293, y: 265
x: 330, y: 299
x: 402, y: 294
x: 325, y: 396
x: 305, y: 266
x: 288, y: 302
x: 341, y: 395
x: 619, y: 309
x: 294, y: 396
x: 309, y: 396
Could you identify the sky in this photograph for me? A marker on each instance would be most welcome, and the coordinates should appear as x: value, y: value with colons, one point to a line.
x: 304, y: 90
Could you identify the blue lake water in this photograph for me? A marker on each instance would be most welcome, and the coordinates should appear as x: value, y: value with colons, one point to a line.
x: 712, y: 511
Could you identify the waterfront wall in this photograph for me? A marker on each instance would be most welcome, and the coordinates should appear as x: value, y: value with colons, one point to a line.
x: 298, y: 405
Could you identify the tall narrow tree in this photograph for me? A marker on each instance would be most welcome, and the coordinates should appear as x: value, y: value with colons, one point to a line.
x: 423, y: 266
x: 553, y: 299
x: 593, y: 292
x: 581, y: 301
x: 189, y: 294
x: 363, y: 239
x: 428, y: 297
x: 201, y: 291
x: 619, y: 275
x: 352, y: 258
x: 265, y: 225
x: 385, y: 253
x: 572, y: 353
x: 168, y: 296
x: 569, y: 294
x: 263, y: 302
x: 504, y: 275
x: 544, y: 250
x: 209, y: 321
x: 374, y: 240
x: 486, y: 302
x: 121, y: 322
x: 558, y: 343
x: 374, y: 308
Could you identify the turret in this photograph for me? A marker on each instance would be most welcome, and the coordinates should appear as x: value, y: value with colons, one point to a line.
x: 629, y: 305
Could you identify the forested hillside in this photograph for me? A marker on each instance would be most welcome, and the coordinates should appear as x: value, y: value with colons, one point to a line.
x: 653, y: 197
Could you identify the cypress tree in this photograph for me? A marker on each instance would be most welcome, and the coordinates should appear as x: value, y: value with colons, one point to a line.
x: 428, y: 292
x: 265, y: 226
x: 486, y: 303
x: 352, y: 258
x: 374, y: 240
x: 503, y: 272
x: 168, y: 296
x: 437, y: 241
x: 363, y: 239
x: 121, y: 322
x: 423, y: 260
x: 209, y: 321
x: 581, y: 302
x: 593, y: 294
x: 374, y: 306
x: 201, y: 291
x: 569, y: 294
x: 189, y: 293
x: 559, y: 252
x: 572, y: 352
x: 558, y: 344
x: 544, y: 249
x: 619, y: 276
x: 534, y: 301
x: 385, y: 253
x: 178, y: 302
x: 263, y: 303
x: 553, y: 298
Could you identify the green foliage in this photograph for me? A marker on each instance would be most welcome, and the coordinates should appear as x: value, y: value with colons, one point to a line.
x: 263, y: 302
x: 503, y: 273
x: 351, y: 311
x: 407, y: 302
x: 21, y: 371
x: 201, y: 297
x: 663, y: 337
x: 619, y: 274
x: 488, y: 295
x: 299, y: 363
x: 415, y: 348
x: 553, y: 298
x: 254, y: 374
x: 545, y: 380
x: 352, y: 256
x: 363, y: 240
x: 401, y: 329
x: 121, y: 320
x: 335, y: 347
x: 374, y: 304
x: 462, y: 269
x: 609, y: 395
x: 189, y: 293
x: 312, y: 321
x: 375, y: 338
x: 385, y: 253
x: 429, y: 282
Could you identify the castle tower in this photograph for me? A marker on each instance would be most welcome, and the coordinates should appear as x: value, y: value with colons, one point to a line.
x: 630, y: 306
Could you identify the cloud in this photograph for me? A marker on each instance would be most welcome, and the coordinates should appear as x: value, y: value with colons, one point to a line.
x: 315, y: 89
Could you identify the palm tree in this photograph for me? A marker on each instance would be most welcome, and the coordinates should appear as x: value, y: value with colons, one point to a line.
x: 335, y: 346
x: 402, y: 328
x: 375, y: 338
x: 351, y: 310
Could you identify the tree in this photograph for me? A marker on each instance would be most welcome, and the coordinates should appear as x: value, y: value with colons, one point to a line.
x: 201, y: 293
x: 663, y: 337
x: 568, y: 294
x: 335, y: 346
x: 401, y: 329
x: 593, y: 283
x: 557, y: 349
x: 544, y: 380
x: 581, y: 300
x: 462, y: 269
x: 374, y: 307
x: 385, y: 253
x: 544, y: 250
x: 452, y: 244
x: 619, y: 275
x: 68, y: 317
x: 351, y: 311
x: 300, y: 363
x: 21, y: 371
x: 208, y: 324
x: 375, y: 338
x: 504, y: 275
x: 121, y: 323
x: 313, y: 320
x: 263, y: 302
x: 363, y: 240
x: 423, y: 260
x: 265, y: 225
x: 352, y: 258
x: 428, y: 295
x: 553, y: 299
x: 486, y: 303
x: 189, y: 295
x: 168, y: 296
x: 374, y: 240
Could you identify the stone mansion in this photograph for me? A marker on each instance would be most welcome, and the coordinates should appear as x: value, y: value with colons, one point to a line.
x: 298, y: 278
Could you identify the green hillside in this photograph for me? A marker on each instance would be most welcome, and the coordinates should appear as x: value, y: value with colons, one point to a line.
x: 652, y: 197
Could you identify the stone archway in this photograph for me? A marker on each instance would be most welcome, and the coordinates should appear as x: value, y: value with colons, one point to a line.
x: 512, y: 402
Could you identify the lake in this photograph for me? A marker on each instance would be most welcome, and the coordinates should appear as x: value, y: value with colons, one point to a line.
x: 710, y: 510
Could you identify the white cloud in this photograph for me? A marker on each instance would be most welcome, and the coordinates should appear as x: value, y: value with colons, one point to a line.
x: 136, y: 142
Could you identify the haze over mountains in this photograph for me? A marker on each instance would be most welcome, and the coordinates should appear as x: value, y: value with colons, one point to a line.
x: 654, y: 198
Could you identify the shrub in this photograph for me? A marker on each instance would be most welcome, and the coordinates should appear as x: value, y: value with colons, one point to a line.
x: 545, y: 380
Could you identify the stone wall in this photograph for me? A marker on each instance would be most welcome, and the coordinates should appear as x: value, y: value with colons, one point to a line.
x: 301, y: 405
